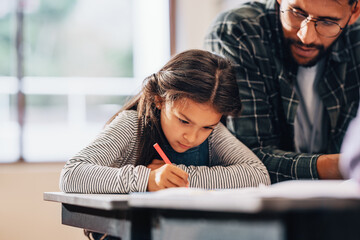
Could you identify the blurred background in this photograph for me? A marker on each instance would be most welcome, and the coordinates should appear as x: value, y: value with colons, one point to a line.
x: 66, y: 66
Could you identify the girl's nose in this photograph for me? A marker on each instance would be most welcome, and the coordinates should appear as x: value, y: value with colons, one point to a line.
x: 190, y: 136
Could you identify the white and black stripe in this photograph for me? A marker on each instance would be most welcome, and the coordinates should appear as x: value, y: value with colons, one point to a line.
x: 107, y: 164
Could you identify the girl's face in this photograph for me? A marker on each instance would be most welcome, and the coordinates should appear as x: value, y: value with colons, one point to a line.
x: 187, y: 124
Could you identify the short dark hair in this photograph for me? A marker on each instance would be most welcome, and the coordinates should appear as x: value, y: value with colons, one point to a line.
x: 351, y: 2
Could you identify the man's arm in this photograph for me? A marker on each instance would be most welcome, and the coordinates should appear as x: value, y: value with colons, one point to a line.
x: 328, y: 166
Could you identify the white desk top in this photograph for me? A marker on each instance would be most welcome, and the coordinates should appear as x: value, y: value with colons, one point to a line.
x: 99, y: 201
x: 282, y: 196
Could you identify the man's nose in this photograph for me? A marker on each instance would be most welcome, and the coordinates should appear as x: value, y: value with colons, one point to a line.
x: 307, y: 32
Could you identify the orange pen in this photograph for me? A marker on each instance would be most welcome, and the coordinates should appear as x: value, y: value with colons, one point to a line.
x: 163, y: 156
x: 161, y: 153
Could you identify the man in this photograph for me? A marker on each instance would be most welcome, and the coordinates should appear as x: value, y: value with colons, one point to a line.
x: 298, y: 72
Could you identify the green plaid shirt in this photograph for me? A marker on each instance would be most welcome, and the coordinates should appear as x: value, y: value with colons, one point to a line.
x: 251, y: 36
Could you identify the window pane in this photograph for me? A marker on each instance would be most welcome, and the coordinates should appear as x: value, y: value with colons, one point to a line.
x: 7, y: 30
x: 65, y: 114
x: 46, y: 127
x: 84, y: 38
x: 101, y: 108
x: 82, y: 64
x: 9, y: 128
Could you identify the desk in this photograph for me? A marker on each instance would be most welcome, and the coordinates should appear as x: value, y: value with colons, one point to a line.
x: 294, y: 210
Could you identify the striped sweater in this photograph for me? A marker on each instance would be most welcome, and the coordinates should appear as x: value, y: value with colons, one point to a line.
x: 106, y: 165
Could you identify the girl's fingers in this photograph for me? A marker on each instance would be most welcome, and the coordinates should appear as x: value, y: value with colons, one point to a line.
x: 167, y: 176
x: 169, y: 184
x: 174, y: 176
x: 180, y: 173
x: 172, y: 182
x: 177, y: 181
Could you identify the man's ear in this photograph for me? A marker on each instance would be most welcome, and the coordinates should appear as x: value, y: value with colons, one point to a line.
x: 355, y: 14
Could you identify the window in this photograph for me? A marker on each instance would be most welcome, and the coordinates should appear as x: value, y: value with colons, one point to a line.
x: 67, y: 66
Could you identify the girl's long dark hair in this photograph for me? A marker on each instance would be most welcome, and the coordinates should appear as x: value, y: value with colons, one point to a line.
x: 194, y: 74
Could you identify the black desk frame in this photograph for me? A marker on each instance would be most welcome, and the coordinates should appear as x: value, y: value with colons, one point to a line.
x: 326, y: 222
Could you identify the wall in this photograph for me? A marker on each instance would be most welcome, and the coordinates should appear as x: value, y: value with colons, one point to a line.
x: 193, y: 19
x: 24, y: 214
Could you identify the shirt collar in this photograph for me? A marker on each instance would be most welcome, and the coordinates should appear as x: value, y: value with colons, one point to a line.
x: 339, y: 51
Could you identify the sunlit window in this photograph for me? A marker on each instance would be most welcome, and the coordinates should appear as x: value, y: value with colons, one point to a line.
x: 77, y: 63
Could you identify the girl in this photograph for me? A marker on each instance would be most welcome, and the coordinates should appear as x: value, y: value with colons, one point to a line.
x: 179, y: 107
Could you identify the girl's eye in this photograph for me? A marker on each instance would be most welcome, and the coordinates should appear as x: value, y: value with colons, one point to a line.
x: 183, y: 121
x: 208, y: 128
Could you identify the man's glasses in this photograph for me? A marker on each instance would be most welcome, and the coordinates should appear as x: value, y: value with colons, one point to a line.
x: 324, y: 28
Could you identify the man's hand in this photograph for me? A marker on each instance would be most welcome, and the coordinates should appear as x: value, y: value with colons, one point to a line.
x: 328, y: 166
x: 166, y: 176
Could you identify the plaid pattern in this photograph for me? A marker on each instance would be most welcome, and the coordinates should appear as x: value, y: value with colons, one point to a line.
x: 251, y: 36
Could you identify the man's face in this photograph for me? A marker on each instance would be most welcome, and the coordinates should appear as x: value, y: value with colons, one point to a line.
x: 304, y: 44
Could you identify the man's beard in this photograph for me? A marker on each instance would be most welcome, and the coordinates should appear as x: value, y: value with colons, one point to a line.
x: 312, y: 62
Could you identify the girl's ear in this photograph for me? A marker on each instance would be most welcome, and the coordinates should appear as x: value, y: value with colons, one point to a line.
x: 158, y: 102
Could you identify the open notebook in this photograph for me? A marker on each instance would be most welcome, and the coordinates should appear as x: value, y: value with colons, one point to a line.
x: 246, y: 199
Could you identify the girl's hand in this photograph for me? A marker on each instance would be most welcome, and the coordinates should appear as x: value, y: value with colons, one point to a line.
x: 167, y: 176
x: 155, y: 164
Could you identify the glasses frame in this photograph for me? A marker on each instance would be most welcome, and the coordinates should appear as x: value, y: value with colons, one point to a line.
x: 315, y: 20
